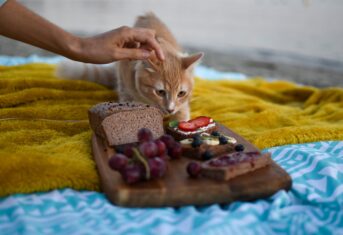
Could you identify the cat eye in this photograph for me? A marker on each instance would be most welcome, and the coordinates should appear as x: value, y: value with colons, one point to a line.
x: 161, y: 93
x: 181, y: 94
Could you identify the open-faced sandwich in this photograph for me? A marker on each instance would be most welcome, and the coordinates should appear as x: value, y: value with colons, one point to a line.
x: 230, y: 165
x: 187, y: 129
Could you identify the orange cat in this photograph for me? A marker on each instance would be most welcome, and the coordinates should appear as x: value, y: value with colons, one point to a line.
x: 166, y: 84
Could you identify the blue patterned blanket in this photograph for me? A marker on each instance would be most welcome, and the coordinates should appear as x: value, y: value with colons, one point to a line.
x: 314, y: 205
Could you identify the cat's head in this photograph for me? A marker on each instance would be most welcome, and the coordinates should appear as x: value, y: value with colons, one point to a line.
x: 168, y: 84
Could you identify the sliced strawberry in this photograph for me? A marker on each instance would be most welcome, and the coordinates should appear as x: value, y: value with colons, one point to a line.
x: 201, y: 121
x: 187, y: 126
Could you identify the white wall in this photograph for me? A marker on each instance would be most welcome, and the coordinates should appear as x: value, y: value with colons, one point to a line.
x: 303, y: 27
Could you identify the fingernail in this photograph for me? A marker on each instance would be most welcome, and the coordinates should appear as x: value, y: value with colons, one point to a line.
x: 146, y: 54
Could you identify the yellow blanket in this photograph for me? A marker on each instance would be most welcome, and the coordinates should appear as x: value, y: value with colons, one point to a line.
x: 45, y: 137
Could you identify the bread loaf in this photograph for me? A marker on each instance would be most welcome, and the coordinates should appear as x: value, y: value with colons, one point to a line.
x: 119, y: 123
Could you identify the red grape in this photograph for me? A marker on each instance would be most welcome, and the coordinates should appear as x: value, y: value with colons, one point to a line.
x: 118, y: 161
x: 193, y: 169
x: 128, y: 150
x: 168, y: 140
x: 148, y: 149
x: 157, y: 167
x: 175, y: 151
x: 133, y: 173
x: 161, y: 147
x: 144, y: 135
x: 164, y: 157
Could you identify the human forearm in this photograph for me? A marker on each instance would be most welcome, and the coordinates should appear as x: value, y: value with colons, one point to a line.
x: 19, y: 23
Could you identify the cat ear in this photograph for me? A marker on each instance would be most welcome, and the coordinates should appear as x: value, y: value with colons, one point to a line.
x: 188, y: 61
x: 150, y: 70
x: 150, y: 66
x: 152, y: 63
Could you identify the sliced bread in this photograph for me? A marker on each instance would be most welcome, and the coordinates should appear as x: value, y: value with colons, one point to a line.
x: 119, y: 123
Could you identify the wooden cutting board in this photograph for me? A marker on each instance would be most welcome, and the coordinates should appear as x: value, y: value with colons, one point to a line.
x: 177, y: 189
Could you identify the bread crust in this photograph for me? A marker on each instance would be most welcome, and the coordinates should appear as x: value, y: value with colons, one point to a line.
x: 102, y: 119
x: 197, y: 152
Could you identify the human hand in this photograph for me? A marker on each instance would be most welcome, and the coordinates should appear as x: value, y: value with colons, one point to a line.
x: 119, y: 44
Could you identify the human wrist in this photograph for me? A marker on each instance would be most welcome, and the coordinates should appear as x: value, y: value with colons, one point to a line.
x: 74, y: 48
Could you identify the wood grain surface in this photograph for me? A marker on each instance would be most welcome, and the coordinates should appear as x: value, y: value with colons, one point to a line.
x: 177, y: 189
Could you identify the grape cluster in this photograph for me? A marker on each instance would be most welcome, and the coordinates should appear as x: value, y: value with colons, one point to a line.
x: 148, y: 159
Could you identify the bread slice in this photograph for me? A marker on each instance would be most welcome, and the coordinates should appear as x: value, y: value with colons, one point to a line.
x: 237, y: 163
x: 209, y: 147
x: 198, y: 152
x: 119, y: 123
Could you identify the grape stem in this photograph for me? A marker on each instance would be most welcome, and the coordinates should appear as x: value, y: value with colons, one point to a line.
x: 138, y: 155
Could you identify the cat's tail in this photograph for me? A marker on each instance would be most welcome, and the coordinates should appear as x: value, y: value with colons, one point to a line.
x: 102, y: 74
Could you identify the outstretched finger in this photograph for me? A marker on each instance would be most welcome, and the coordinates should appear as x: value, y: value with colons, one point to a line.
x: 132, y: 54
x: 147, y: 37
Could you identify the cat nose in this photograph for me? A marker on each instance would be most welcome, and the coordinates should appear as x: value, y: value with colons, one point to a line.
x: 170, y: 110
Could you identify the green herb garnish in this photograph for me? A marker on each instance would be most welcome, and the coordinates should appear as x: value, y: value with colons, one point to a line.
x: 173, y: 124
